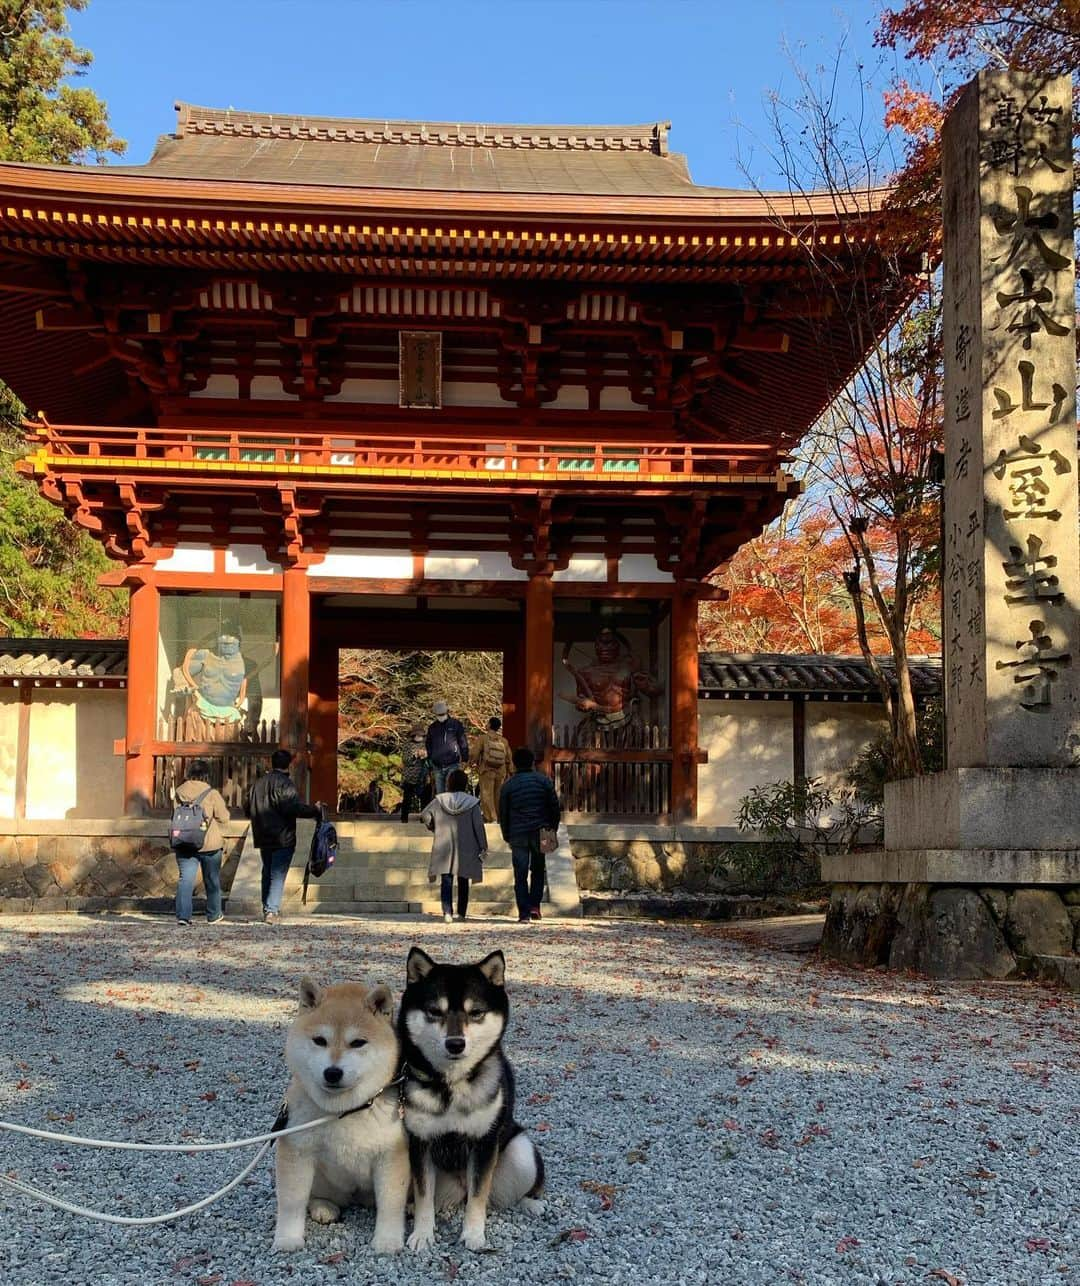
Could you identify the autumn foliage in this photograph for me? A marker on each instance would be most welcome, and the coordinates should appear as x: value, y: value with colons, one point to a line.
x: 1041, y: 36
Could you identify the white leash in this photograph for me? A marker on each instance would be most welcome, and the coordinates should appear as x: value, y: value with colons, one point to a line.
x: 38, y: 1194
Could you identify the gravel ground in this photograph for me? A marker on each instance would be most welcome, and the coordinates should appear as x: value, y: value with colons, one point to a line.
x: 709, y: 1110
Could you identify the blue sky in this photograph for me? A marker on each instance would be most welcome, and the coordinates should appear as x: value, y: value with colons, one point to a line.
x: 706, y: 65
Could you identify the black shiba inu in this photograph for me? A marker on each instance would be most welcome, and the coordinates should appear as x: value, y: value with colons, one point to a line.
x: 459, y: 1097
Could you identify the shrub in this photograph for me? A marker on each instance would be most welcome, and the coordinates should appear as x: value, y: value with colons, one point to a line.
x: 798, y: 823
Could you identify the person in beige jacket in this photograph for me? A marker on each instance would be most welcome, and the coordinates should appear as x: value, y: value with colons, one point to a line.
x: 196, y: 788
x: 493, y: 761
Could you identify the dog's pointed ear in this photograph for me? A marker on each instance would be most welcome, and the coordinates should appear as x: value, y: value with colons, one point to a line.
x: 380, y: 1001
x: 310, y: 993
x: 493, y: 967
x: 418, y: 965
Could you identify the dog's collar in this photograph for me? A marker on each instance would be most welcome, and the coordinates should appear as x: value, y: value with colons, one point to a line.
x: 283, y: 1115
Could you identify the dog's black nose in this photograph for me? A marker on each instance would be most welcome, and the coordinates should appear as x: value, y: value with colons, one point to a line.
x: 333, y: 1075
x: 455, y: 1045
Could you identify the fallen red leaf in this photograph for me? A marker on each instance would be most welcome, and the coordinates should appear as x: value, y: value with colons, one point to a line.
x: 847, y: 1243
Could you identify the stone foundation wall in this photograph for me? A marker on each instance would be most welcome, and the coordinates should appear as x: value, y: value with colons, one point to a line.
x: 653, y: 865
x: 953, y: 931
x: 78, y: 871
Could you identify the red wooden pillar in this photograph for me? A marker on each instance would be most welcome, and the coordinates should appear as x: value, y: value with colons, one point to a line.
x: 295, y: 665
x: 684, y: 705
x: 323, y: 723
x: 513, y: 704
x: 539, y: 660
x: 143, y: 617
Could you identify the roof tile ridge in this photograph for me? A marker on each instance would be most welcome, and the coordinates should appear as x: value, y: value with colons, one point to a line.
x: 227, y: 121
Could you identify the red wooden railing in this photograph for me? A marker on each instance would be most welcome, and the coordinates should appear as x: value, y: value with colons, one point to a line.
x: 632, y: 779
x: 333, y: 447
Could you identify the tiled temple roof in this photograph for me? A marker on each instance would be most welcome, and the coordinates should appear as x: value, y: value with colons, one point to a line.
x: 64, y: 661
x: 759, y: 674
x: 437, y: 156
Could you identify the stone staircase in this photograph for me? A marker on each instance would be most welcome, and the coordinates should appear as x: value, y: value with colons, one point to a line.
x: 381, y: 869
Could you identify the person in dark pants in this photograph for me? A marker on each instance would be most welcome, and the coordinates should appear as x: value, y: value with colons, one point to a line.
x: 415, y: 771
x: 527, y: 805
x: 273, y: 805
x: 207, y: 857
x: 460, y: 843
x: 447, y: 745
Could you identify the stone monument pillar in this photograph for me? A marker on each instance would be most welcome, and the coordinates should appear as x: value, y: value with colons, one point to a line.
x: 981, y: 869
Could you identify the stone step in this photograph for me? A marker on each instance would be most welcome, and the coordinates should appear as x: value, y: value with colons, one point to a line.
x: 371, y: 891
x: 291, y: 908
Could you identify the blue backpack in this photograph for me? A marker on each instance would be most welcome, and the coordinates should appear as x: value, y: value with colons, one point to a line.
x: 322, y: 854
x: 189, y: 823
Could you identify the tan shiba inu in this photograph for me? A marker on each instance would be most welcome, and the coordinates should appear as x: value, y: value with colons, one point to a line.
x: 343, y: 1053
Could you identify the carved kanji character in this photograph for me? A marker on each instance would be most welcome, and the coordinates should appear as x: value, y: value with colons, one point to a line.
x: 975, y: 620
x: 963, y: 404
x: 1005, y: 115
x: 1043, y: 157
x: 1006, y: 405
x: 975, y: 669
x: 1005, y: 154
x: 972, y: 573
x: 962, y: 345
x: 960, y: 467
x: 1029, y: 449
x: 954, y: 602
x: 1037, y: 667
x: 1045, y: 116
x: 1029, y: 577
x: 1027, y: 227
x: 974, y: 523
x: 1032, y: 316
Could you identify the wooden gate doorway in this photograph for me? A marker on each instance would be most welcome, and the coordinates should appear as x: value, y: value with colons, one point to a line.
x: 403, y: 623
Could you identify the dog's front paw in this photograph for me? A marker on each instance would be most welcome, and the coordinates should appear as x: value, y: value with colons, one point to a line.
x: 532, y: 1206
x: 474, y: 1238
x: 323, y: 1211
x: 388, y: 1243
x: 422, y: 1238
x: 284, y: 1242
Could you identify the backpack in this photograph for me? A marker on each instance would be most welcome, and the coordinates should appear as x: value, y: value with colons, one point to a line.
x: 322, y: 854
x: 493, y: 754
x: 189, y: 823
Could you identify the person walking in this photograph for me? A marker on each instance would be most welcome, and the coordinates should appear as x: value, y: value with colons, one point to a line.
x: 528, y: 804
x: 493, y: 756
x: 460, y: 843
x: 196, y: 790
x: 446, y: 743
x: 273, y: 805
x: 415, y: 770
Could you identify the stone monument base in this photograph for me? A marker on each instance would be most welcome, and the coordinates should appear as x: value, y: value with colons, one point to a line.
x: 990, y: 913
x: 979, y: 878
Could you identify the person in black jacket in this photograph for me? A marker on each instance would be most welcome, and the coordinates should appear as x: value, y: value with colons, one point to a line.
x: 527, y: 804
x: 273, y: 805
x: 447, y: 745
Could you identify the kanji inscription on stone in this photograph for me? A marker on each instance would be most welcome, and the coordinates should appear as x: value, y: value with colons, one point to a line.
x: 1011, y: 566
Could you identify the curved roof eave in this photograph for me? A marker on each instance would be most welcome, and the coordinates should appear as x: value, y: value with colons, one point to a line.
x: 106, y: 186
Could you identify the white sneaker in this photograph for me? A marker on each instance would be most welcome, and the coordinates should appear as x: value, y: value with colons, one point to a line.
x: 447, y: 918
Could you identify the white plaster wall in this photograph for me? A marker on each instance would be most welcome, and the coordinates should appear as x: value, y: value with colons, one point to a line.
x: 749, y: 744
x: 835, y: 734
x: 391, y: 565
x: 72, y: 770
x: 188, y: 558
x: 469, y: 565
x: 384, y: 392
x: 10, y: 699
x: 460, y: 393
x: 249, y: 560
x: 642, y: 567
x: 582, y: 567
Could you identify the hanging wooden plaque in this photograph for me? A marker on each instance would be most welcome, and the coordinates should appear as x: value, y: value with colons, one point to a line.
x: 420, y: 369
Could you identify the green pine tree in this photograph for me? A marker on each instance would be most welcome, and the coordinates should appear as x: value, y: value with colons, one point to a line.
x: 48, y: 568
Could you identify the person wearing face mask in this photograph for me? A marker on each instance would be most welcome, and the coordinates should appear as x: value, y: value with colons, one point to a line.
x: 446, y: 743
